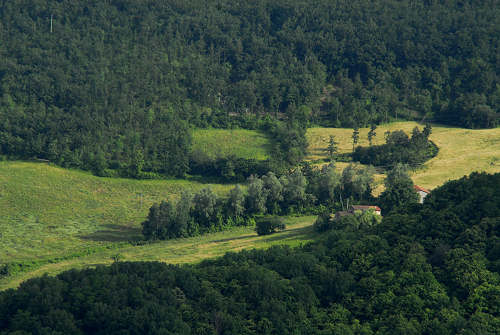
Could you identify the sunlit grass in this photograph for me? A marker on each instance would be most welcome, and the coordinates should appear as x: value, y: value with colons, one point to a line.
x: 241, y: 143
x: 48, y: 211
x: 461, y: 151
x: 189, y: 250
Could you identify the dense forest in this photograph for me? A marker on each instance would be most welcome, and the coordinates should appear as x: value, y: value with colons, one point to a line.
x: 425, y: 269
x: 114, y: 86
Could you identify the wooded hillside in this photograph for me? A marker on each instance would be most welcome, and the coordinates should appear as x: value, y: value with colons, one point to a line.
x: 116, y: 84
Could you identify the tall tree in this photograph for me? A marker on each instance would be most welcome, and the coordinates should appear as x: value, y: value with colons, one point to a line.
x: 355, y: 137
x: 332, y: 148
x: 399, y: 189
x: 256, y: 196
x: 372, y: 133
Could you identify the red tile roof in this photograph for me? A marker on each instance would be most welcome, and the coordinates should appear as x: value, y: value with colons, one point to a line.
x: 418, y: 188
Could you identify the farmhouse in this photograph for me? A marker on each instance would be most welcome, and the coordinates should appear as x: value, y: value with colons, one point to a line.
x: 422, y: 192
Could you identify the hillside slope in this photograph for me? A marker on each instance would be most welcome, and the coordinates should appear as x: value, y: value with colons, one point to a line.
x: 50, y: 211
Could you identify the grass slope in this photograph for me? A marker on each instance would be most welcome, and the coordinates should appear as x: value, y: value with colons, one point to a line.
x: 461, y: 151
x: 242, y: 143
x: 49, y: 211
x: 189, y: 250
x: 53, y: 219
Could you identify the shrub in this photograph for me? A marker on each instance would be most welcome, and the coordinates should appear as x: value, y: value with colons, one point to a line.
x: 268, y: 226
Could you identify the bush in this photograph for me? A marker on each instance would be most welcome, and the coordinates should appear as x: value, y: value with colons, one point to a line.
x: 268, y: 226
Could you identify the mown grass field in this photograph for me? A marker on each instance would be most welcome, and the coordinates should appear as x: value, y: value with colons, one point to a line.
x: 53, y: 219
x: 189, y: 250
x: 61, y: 219
x: 241, y: 143
x: 461, y: 151
x: 47, y: 211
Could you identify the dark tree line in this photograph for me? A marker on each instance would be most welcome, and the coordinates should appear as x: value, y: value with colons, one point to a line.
x: 115, y: 84
x: 426, y: 269
x: 399, y: 148
x: 302, y: 190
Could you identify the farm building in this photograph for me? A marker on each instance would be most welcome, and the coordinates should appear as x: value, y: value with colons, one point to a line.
x: 422, y: 192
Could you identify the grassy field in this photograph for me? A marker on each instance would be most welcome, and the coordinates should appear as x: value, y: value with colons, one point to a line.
x: 189, y: 250
x: 238, y: 142
x: 53, y: 219
x: 59, y: 219
x: 48, y: 211
x: 461, y: 151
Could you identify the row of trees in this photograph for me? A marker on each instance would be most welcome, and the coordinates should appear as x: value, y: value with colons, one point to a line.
x: 299, y: 191
x: 426, y: 269
x: 399, y: 148
x: 195, y: 214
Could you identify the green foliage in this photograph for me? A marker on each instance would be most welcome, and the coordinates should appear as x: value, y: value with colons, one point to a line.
x: 355, y: 221
x: 372, y: 133
x: 357, y: 181
x: 410, y: 274
x: 399, y: 148
x: 300, y: 191
x: 332, y: 148
x: 399, y: 191
x: 355, y: 137
x: 216, y: 64
x: 137, y: 77
x: 266, y: 226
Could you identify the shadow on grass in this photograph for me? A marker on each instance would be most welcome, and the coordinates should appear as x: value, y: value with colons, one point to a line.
x: 115, y: 233
x: 290, y: 234
x: 281, y: 235
x: 244, y: 237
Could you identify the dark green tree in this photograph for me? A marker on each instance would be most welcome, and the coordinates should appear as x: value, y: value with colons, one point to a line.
x: 372, y: 133
x: 332, y: 148
x: 355, y: 137
x: 398, y: 191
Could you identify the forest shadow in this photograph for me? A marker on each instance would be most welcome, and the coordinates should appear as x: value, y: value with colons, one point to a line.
x: 290, y: 233
x: 236, y: 238
x: 115, y: 233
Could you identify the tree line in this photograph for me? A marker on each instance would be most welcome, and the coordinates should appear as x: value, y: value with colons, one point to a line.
x: 425, y: 269
x: 302, y: 190
x: 399, y: 148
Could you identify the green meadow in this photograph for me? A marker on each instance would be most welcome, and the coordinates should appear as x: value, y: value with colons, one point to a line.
x: 53, y: 219
x: 47, y: 211
x: 186, y: 250
x: 241, y: 143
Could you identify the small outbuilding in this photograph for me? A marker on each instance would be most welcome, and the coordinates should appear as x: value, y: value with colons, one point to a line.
x: 422, y: 192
